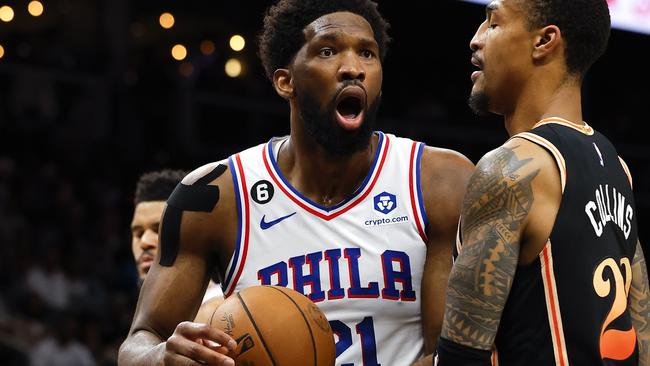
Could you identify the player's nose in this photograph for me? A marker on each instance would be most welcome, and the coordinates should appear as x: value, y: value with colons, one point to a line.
x: 477, y: 40
x: 351, y: 68
x: 149, y: 240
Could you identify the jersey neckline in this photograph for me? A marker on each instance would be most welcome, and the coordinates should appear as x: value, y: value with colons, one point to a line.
x: 580, y: 127
x: 324, y: 212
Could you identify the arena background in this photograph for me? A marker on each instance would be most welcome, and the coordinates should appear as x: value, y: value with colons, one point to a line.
x: 90, y: 98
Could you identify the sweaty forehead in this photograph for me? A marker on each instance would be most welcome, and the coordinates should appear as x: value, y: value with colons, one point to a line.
x: 339, y: 22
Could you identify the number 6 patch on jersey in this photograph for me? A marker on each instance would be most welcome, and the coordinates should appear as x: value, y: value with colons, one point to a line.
x: 262, y: 191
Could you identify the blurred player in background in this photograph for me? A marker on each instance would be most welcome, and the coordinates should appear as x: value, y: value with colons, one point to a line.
x: 152, y: 190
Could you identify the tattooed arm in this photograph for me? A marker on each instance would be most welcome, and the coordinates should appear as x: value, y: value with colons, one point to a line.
x: 508, y: 184
x: 639, y: 304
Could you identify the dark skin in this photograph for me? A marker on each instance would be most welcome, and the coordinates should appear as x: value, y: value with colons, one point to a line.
x: 338, y: 47
x: 514, y: 195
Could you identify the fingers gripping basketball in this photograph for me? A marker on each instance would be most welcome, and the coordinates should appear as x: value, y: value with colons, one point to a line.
x: 275, y: 326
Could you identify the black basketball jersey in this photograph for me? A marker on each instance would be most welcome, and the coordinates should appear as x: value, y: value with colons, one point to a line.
x: 569, y: 307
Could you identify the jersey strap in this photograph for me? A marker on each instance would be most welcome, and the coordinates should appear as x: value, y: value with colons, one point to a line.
x: 559, y: 159
x: 238, y: 260
x: 627, y: 171
x: 415, y: 189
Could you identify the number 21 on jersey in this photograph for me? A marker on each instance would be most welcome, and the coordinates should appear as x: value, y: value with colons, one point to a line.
x: 366, y: 331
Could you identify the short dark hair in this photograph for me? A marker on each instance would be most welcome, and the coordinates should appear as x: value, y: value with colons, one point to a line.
x: 158, y: 185
x: 585, y: 27
x: 282, y: 35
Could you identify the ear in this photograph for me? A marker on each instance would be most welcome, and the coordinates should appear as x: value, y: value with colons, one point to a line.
x: 547, y: 41
x: 283, y: 83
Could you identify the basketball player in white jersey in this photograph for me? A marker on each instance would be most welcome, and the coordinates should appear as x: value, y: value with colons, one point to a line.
x: 361, y: 222
x: 152, y: 190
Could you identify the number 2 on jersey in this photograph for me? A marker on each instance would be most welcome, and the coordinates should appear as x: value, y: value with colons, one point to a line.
x: 615, y: 344
x: 366, y: 331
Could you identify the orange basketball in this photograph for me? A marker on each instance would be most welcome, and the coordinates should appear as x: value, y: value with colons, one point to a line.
x: 275, y: 326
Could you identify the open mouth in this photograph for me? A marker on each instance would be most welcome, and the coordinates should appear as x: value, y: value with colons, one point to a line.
x: 350, y: 105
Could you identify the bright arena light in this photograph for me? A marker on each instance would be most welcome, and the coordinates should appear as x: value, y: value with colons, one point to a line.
x: 2, y: 51
x: 35, y: 8
x: 233, y: 67
x: 179, y: 52
x: 166, y: 20
x: 237, y: 42
x: 6, y: 13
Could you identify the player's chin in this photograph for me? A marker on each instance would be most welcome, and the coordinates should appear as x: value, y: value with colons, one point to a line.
x: 479, y: 102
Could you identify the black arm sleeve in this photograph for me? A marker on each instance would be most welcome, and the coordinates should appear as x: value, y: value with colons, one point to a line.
x: 451, y: 353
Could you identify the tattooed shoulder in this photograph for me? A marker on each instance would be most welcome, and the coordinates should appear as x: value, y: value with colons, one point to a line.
x: 497, y: 203
x: 499, y: 176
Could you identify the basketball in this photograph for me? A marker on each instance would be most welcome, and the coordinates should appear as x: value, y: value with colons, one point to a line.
x: 274, y: 326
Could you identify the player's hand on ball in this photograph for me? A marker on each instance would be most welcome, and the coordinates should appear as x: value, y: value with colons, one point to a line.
x: 194, y: 343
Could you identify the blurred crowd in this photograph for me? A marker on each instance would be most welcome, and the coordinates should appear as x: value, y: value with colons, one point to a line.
x: 75, y: 134
x: 67, y: 281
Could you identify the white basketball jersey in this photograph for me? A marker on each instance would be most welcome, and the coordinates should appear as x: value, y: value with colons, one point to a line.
x: 360, y: 261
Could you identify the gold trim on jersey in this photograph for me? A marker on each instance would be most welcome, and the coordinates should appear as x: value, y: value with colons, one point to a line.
x: 459, y: 243
x: 559, y: 159
x: 495, y: 357
x: 627, y: 171
x: 553, y: 306
x: 581, y: 127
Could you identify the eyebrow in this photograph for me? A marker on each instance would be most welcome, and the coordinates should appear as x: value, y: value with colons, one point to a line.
x: 368, y: 43
x: 335, y: 36
x: 490, y: 8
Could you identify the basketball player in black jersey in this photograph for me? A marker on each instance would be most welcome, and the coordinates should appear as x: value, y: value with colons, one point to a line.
x: 550, y: 270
